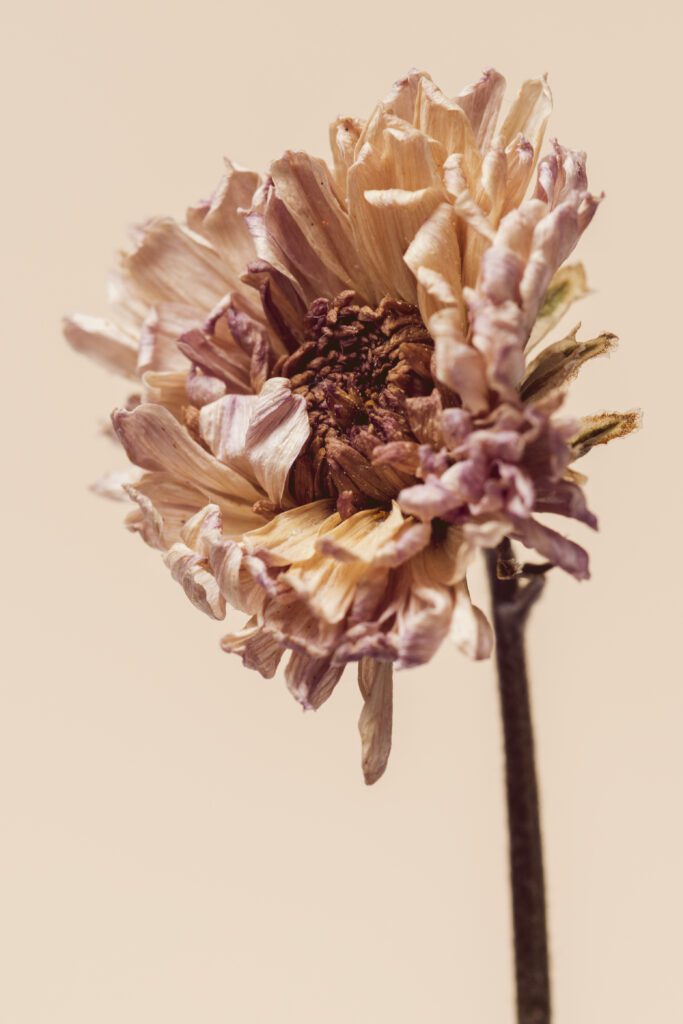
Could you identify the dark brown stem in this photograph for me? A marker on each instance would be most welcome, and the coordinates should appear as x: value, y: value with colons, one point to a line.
x: 512, y: 600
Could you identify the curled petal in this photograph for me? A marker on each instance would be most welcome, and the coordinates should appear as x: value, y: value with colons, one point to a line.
x: 187, y: 560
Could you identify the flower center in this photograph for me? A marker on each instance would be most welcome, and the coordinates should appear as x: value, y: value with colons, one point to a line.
x: 355, y: 370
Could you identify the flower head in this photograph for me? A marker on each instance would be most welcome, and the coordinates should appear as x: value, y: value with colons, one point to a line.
x: 340, y: 401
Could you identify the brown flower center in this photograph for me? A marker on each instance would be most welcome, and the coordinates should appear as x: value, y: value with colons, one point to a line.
x: 355, y: 371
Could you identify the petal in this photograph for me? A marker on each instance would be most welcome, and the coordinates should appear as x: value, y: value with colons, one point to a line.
x: 311, y: 680
x: 434, y: 258
x: 167, y: 389
x: 344, y: 135
x: 308, y: 191
x: 187, y: 561
x: 481, y: 101
x: 221, y: 220
x: 290, y: 536
x: 173, y: 264
x: 459, y: 365
x: 553, y: 546
x: 444, y: 120
x: 104, y: 342
x: 529, y: 114
x: 164, y: 506
x: 259, y: 649
x: 375, y: 722
x: 154, y: 440
x: 470, y: 630
x: 276, y: 434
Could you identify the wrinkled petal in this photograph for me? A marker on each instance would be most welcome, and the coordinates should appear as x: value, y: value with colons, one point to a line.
x: 375, y: 722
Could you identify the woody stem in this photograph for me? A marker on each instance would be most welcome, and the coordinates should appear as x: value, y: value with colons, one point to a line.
x: 511, y: 603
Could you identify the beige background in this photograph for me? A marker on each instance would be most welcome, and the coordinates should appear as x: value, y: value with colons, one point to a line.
x: 179, y: 842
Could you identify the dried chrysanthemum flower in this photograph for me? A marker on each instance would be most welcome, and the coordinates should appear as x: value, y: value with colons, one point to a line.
x: 338, y: 404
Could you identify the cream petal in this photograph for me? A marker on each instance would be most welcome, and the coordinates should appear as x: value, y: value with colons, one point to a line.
x: 291, y: 536
x: 401, y: 101
x: 221, y: 220
x: 344, y: 135
x: 104, y: 342
x: 161, y: 330
x: 470, y: 629
x: 187, y: 560
x: 238, y: 576
x: 434, y: 258
x: 308, y: 191
x: 260, y: 436
x: 387, y: 220
x: 164, y: 506
x: 167, y: 389
x: 327, y: 584
x: 444, y: 120
x: 529, y: 114
x: 363, y: 536
x: 424, y: 620
x: 154, y: 440
x: 482, y: 101
x: 393, y: 186
x: 259, y: 649
x: 277, y: 432
x: 375, y: 722
x: 173, y: 264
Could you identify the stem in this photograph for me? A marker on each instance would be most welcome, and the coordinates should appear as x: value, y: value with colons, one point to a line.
x: 511, y: 603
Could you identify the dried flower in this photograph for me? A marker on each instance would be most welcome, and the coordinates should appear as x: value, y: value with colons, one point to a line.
x: 337, y: 407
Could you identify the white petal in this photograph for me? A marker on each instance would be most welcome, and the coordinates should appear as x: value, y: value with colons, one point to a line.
x: 104, y: 342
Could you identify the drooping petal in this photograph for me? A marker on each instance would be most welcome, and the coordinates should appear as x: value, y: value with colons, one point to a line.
x: 375, y: 722
x: 553, y: 546
x: 311, y: 680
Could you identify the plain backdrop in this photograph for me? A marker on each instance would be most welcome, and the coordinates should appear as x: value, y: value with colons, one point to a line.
x: 180, y: 842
